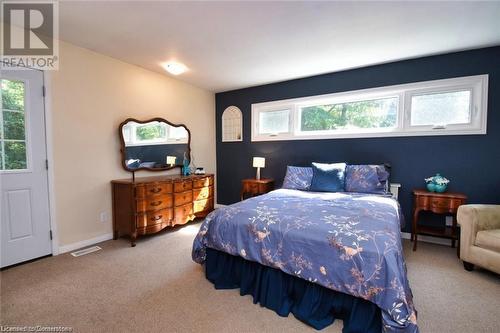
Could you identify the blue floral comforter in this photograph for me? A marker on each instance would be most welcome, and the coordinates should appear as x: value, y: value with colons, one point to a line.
x: 347, y: 242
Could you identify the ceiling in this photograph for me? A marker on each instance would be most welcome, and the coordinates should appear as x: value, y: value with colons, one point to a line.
x: 231, y: 45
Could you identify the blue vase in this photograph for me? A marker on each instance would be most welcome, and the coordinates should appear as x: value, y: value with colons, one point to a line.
x: 185, y: 166
x: 431, y: 187
x: 440, y: 188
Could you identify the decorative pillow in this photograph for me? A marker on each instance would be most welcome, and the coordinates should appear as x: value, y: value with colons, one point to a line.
x: 367, y: 179
x: 328, y: 177
x: 298, y: 178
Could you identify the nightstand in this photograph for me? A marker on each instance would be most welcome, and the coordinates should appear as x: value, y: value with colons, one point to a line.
x: 438, y: 203
x: 255, y: 187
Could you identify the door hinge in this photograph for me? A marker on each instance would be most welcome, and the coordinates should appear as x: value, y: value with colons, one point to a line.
x: 50, y: 234
x: 47, y: 164
x: 43, y: 91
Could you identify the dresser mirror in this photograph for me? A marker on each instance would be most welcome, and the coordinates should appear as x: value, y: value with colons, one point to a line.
x: 154, y: 144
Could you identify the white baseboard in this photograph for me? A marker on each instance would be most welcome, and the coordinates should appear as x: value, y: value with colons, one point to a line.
x: 427, y: 239
x: 219, y: 205
x: 84, y: 243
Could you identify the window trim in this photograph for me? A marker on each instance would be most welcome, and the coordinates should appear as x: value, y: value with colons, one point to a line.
x: 477, y: 84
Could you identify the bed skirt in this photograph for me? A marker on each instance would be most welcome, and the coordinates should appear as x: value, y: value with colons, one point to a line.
x: 313, y: 304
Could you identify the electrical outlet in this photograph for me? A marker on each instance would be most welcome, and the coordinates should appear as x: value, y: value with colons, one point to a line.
x: 449, y: 221
x: 103, y: 216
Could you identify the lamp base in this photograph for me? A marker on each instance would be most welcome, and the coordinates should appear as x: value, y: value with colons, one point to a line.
x: 257, y: 176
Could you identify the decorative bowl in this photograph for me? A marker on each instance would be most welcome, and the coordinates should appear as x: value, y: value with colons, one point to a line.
x: 440, y: 188
x: 437, y: 183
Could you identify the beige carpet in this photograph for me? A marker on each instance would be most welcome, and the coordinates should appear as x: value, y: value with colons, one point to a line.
x: 155, y: 287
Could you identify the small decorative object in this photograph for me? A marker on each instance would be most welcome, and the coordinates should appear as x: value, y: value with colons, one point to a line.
x: 259, y: 162
x: 232, y: 124
x: 437, y: 183
x: 171, y: 160
x: 199, y: 171
x: 185, y: 166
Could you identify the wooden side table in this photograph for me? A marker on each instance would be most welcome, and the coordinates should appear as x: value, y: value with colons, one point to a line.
x: 438, y: 203
x: 255, y: 187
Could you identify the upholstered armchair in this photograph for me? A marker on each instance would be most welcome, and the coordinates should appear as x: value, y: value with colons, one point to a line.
x: 480, y: 236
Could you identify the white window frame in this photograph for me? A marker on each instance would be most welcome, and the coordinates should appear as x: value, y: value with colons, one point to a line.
x: 477, y: 85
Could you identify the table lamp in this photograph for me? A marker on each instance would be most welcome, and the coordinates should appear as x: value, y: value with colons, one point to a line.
x: 171, y: 160
x: 259, y: 162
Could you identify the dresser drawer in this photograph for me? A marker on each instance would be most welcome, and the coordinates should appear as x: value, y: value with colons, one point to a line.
x: 154, y: 203
x: 183, y: 186
x: 203, y: 205
x: 182, y: 198
x: 153, y: 218
x: 203, y: 182
x: 203, y: 193
x: 183, y: 214
x: 152, y: 189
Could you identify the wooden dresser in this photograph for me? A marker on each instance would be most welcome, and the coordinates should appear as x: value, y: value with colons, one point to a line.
x: 150, y: 204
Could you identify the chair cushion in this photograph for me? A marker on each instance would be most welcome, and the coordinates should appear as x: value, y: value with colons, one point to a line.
x: 489, y: 239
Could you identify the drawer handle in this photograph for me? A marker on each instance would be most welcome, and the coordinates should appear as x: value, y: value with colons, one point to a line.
x: 156, y: 218
x: 156, y: 203
x: 156, y: 190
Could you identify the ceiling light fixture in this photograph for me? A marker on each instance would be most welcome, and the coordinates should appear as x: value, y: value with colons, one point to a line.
x: 174, y: 68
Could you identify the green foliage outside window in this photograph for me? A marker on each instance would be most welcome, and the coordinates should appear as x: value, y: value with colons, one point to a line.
x: 150, y: 132
x: 12, y: 126
x: 381, y: 113
x: 12, y: 95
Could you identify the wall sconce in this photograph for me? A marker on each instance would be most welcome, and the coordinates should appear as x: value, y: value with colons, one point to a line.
x: 259, y: 162
x: 171, y: 160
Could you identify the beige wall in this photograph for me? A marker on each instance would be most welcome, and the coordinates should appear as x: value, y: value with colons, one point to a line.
x: 90, y: 95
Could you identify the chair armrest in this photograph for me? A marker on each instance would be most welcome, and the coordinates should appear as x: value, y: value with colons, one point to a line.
x: 480, y: 217
x: 474, y: 218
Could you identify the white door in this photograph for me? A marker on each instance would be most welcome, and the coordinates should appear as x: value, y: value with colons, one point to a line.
x: 25, y: 226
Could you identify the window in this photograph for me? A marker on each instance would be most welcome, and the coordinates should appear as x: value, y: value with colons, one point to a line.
x: 454, y: 108
x: 153, y: 133
x: 13, y: 126
x: 350, y: 116
x: 441, y: 107
x: 274, y: 122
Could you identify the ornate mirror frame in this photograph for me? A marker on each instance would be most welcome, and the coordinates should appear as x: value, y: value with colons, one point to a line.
x: 122, y: 143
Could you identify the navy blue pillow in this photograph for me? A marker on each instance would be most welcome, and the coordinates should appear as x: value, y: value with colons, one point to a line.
x: 328, y: 177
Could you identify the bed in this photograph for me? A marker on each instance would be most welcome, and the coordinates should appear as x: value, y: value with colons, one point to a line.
x: 346, y: 244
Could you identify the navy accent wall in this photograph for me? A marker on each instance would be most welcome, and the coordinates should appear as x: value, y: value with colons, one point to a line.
x: 471, y: 162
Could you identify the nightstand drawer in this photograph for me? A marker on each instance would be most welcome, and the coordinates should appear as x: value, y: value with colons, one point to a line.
x: 251, y: 187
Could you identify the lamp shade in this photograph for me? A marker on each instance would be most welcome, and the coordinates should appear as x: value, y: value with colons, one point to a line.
x: 259, y: 162
x: 171, y: 160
